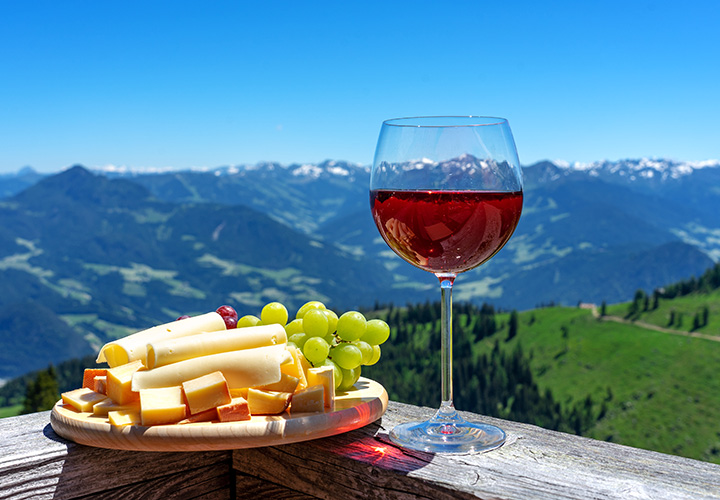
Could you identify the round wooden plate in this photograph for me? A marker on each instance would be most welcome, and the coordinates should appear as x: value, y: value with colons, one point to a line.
x: 353, y: 409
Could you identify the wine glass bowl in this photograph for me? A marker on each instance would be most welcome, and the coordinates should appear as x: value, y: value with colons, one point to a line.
x: 446, y: 195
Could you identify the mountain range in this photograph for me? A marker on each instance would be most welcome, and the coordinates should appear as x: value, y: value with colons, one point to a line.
x: 86, y: 256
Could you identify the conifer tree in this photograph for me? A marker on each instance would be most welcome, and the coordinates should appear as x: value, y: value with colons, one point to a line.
x: 42, y: 392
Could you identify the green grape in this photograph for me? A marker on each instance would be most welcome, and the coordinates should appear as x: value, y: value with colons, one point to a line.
x: 295, y: 326
x: 331, y: 339
x: 248, y: 320
x: 346, y: 356
x: 316, y: 350
x: 337, y: 371
x: 313, y: 304
x: 349, y: 377
x: 351, y: 326
x: 298, y: 339
x: 377, y: 332
x: 274, y: 312
x: 315, y: 323
x: 332, y: 320
x: 291, y: 344
x: 366, y: 350
x: 375, y: 356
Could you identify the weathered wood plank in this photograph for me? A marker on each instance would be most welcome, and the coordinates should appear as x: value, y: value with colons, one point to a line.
x: 533, y: 464
x: 36, y: 463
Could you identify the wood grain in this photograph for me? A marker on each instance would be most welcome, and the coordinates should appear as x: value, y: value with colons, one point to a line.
x: 353, y: 409
x: 535, y: 464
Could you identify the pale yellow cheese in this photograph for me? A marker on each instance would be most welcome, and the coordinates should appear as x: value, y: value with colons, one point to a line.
x: 325, y: 376
x: 165, y: 351
x: 162, y: 406
x: 206, y: 392
x: 267, y: 402
x: 311, y: 399
x: 132, y: 347
x: 120, y: 418
x: 246, y: 368
x: 82, y: 399
x: 104, y: 407
x: 119, y: 382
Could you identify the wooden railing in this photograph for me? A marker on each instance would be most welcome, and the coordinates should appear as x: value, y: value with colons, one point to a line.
x: 534, y: 464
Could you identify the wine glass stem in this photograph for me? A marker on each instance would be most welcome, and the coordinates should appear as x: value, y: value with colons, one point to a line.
x: 446, y: 284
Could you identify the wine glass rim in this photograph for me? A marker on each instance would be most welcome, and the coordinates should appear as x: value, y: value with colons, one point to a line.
x: 437, y: 121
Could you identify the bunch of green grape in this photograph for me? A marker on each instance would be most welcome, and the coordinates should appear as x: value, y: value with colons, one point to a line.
x: 345, y: 343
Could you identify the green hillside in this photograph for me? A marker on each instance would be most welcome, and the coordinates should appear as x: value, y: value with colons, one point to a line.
x: 661, y: 390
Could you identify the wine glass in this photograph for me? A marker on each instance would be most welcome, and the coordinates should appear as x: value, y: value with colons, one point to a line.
x: 446, y: 195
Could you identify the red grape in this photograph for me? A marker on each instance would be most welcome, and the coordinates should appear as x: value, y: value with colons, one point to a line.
x: 229, y: 316
x: 184, y: 316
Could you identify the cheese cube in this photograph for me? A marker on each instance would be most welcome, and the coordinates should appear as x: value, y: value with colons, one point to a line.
x: 267, y: 402
x: 119, y: 382
x: 294, y: 368
x: 208, y: 391
x: 311, y: 399
x: 82, y: 399
x: 162, y: 406
x: 287, y: 383
x: 89, y: 376
x: 238, y: 409
x: 100, y: 384
x: 203, y: 416
x: 124, y: 417
x: 107, y: 405
x: 325, y: 376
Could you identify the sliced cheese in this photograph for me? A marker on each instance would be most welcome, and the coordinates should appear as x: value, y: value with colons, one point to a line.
x: 287, y: 383
x: 206, y: 392
x: 119, y: 382
x: 165, y: 351
x: 267, y: 402
x: 107, y: 405
x: 120, y: 418
x: 162, y: 406
x: 246, y: 368
x: 236, y: 410
x: 311, y: 399
x: 132, y: 347
x: 324, y: 376
x: 82, y: 399
x: 294, y: 368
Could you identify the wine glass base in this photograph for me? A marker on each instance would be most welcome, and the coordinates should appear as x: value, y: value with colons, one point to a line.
x: 444, y: 437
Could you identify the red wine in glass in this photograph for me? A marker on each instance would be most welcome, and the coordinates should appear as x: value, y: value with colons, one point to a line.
x: 445, y: 231
x: 446, y: 195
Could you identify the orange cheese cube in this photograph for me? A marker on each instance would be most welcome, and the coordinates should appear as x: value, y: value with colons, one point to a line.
x: 119, y: 382
x: 238, y: 409
x: 203, y: 416
x: 89, y: 377
x: 100, y: 384
x: 82, y: 399
x: 208, y: 391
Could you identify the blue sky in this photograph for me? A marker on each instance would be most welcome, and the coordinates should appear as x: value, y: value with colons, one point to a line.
x: 191, y: 84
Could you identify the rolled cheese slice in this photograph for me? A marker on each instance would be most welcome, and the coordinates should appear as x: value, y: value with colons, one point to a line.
x: 245, y: 368
x: 166, y: 351
x: 132, y: 347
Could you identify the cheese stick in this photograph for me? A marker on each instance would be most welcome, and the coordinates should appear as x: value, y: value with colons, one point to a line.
x: 132, y: 347
x: 245, y: 368
x: 166, y: 351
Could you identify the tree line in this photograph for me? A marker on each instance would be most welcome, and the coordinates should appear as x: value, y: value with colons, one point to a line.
x: 498, y: 383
